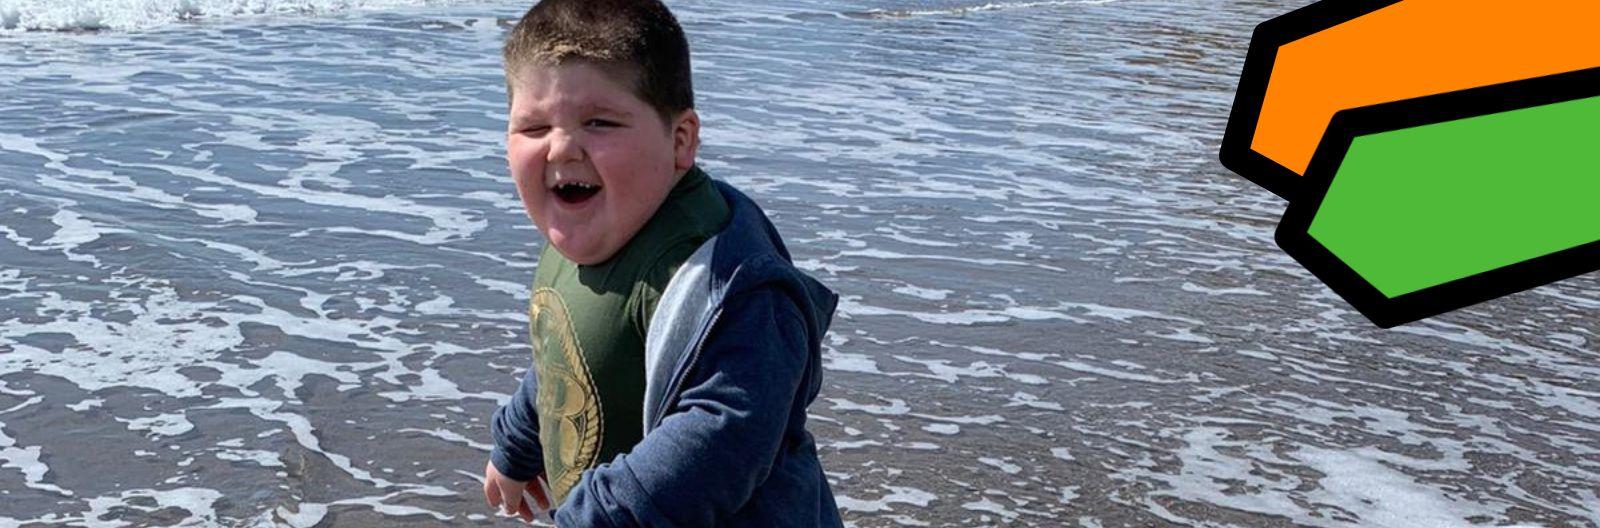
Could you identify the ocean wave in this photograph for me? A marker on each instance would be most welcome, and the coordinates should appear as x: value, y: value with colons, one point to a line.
x: 95, y: 15
x: 958, y: 10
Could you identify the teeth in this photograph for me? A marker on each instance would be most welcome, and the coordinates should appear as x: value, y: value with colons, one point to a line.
x: 580, y: 185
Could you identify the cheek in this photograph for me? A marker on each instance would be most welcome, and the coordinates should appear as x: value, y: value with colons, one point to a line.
x: 638, y: 196
x: 525, y: 163
x: 527, y: 175
x: 640, y: 188
x: 638, y: 160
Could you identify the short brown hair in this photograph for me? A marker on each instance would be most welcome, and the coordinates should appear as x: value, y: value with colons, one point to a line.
x: 638, y: 39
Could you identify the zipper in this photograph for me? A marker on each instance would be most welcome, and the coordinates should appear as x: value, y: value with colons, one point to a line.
x: 671, y: 396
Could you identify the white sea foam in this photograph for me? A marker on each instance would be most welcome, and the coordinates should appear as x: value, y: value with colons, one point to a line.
x: 450, y: 436
x: 1023, y: 399
x: 895, y: 407
x: 1243, y: 290
x: 1020, y: 209
x: 110, y: 185
x: 987, y: 419
x: 26, y: 460
x: 931, y: 294
x: 199, y: 503
x: 259, y: 457
x: 832, y: 359
x: 60, y: 15
x: 169, y: 424
x: 1003, y: 464
x: 987, y: 505
x: 450, y: 223
x: 896, y: 495
x: 1381, y: 496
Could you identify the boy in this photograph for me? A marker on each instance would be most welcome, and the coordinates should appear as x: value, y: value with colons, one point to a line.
x: 675, y: 346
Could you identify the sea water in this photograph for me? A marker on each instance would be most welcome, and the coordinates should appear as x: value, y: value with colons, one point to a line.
x: 262, y: 265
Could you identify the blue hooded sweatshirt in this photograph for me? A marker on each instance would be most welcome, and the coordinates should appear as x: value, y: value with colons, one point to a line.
x: 732, y: 360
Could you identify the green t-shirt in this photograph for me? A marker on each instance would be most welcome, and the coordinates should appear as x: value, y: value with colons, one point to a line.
x: 588, y: 327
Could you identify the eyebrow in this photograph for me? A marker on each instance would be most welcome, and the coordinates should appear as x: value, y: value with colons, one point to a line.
x: 594, y: 108
x: 588, y: 108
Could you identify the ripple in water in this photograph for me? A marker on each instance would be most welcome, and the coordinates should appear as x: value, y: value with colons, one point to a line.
x: 270, y: 271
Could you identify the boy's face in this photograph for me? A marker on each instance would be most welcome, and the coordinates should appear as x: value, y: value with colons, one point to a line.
x: 591, y: 160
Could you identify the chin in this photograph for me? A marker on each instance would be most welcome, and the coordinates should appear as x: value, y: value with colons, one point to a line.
x: 581, y: 253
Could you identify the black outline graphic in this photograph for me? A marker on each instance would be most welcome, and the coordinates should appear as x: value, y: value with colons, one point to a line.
x: 1305, y: 193
x: 1293, y: 233
x: 1236, y: 154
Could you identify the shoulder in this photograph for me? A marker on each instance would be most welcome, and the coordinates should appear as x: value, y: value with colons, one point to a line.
x: 763, y: 319
x: 768, y: 292
x: 659, y: 269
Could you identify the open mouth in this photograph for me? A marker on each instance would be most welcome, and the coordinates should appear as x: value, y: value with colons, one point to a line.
x: 574, y: 193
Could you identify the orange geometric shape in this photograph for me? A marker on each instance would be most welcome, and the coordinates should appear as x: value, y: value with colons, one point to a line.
x: 1403, y: 50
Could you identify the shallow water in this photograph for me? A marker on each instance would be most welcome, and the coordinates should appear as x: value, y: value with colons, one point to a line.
x: 270, y: 270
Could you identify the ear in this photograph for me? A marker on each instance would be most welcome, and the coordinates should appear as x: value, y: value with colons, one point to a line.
x: 685, y: 139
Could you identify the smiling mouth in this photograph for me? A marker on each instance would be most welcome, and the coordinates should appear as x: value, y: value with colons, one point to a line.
x: 574, y: 193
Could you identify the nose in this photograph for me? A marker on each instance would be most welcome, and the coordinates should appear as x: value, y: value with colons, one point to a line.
x: 564, y: 147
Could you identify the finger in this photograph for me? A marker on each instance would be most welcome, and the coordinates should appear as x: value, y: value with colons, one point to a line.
x: 536, y: 489
x: 525, y: 512
x: 512, y: 499
x: 491, y: 492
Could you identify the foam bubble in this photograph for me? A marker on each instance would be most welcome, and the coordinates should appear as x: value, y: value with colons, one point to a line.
x: 65, y: 15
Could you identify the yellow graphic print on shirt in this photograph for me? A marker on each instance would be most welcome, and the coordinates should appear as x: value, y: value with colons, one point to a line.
x: 569, y: 407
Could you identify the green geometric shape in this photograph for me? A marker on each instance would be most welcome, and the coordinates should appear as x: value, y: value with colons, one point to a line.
x: 1419, y: 207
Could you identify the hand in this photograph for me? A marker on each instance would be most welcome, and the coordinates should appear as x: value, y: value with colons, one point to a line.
x: 505, y: 493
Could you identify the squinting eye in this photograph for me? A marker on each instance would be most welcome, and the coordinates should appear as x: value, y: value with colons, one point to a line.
x: 601, y: 123
x: 535, y: 130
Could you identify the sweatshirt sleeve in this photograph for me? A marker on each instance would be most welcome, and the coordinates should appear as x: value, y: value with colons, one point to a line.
x: 719, y: 439
x: 515, y: 427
